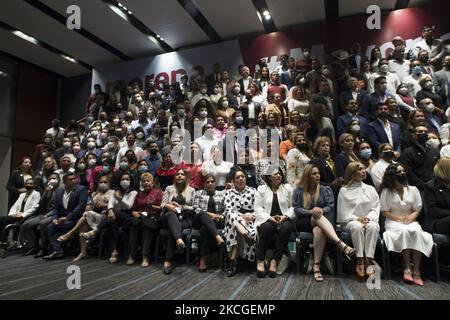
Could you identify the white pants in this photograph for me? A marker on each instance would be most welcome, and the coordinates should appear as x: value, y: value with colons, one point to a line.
x: 364, y: 240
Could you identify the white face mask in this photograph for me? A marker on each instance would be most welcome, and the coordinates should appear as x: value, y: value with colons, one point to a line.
x: 92, y: 162
x: 103, y: 186
x: 91, y: 145
x: 125, y: 184
x: 403, y: 91
x: 429, y: 107
x: 225, y: 103
x: 116, y: 121
x: 204, y: 114
x: 53, y: 182
x: 66, y: 144
x: 81, y: 166
x: 216, y: 90
x: 384, y: 68
x: 139, y: 135
x: 428, y: 85
x: 433, y: 143
x: 237, y: 90
x: 203, y: 91
x: 355, y: 128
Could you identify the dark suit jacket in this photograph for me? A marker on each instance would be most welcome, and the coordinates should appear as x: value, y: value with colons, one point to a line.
x: 343, y: 122
x: 241, y: 83
x: 326, y: 173
x: 76, y: 206
x: 376, y: 135
x: 244, y: 110
x: 437, y: 203
x: 354, y: 65
x: 369, y: 106
x: 288, y: 80
x: 211, y: 82
x: 347, y: 95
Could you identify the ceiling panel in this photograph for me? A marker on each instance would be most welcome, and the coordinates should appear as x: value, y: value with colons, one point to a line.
x: 168, y: 19
x: 100, y: 20
x: 33, y: 22
x: 38, y: 55
x: 351, y: 7
x: 230, y: 18
x: 290, y: 12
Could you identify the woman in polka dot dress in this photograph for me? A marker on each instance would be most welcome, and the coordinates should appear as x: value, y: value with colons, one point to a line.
x: 240, y: 228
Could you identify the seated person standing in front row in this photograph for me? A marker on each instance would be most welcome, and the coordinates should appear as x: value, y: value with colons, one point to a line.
x: 70, y: 202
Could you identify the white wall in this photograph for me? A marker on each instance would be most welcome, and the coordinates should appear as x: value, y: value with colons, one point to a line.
x: 5, y: 165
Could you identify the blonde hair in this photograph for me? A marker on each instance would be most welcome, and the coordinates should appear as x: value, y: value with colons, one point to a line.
x: 442, y: 168
x: 344, y: 137
x: 350, y: 172
x: 307, y: 185
x: 146, y: 175
x: 319, y: 141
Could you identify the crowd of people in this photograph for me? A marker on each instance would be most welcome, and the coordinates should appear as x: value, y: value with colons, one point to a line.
x: 354, y: 141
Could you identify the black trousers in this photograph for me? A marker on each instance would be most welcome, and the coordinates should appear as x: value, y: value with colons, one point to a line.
x: 112, y: 228
x: 442, y: 226
x: 282, y: 238
x: 145, y: 226
x: 43, y: 229
x: 208, y: 232
x: 170, y: 221
x: 4, y: 221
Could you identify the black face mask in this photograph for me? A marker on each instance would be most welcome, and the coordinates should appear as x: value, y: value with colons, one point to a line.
x: 401, y: 178
x: 131, y: 159
x: 302, y: 147
x: 424, y: 60
x: 29, y: 188
x: 154, y: 151
x: 422, y: 138
x: 388, y: 155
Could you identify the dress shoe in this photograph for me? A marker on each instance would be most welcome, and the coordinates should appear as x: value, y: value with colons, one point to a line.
x: 168, y: 270
x: 55, y: 255
x: 232, y: 269
x: 30, y: 252
x: 3, y: 253
x: 41, y: 253
x: 418, y: 279
x: 145, y: 263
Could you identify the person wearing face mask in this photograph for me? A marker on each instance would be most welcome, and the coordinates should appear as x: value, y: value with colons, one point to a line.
x: 193, y: 166
x: 419, y: 159
x: 234, y: 97
x: 43, y: 175
x: 386, y: 157
x: 433, y: 141
x: 143, y: 122
x: 56, y: 131
x: 425, y: 64
x: 178, y: 115
x: 412, y: 80
x: 352, y: 114
x: 87, y: 226
x: 364, y: 153
x: 382, y: 130
x: 432, y: 45
x: 392, y: 80
x: 24, y: 207
x: 140, y: 138
x: 325, y: 74
x: 30, y: 228
x: 405, y: 101
x: 250, y: 109
x: 299, y: 96
x: 369, y: 107
x: 154, y: 157
x: 354, y: 92
x: 442, y: 77
x: 91, y: 147
x: 65, y: 149
x: 217, y: 93
x: 398, y: 64
x: 131, y: 145
x: 432, y: 114
x: 202, y: 94
x: 119, y: 209
x: 394, y: 113
x: 428, y: 92
x: 401, y: 204
x: 224, y: 110
x: 297, y: 158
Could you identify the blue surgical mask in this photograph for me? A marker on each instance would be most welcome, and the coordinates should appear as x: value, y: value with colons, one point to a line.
x: 106, y: 169
x: 142, y: 169
x: 417, y: 70
x: 365, y: 153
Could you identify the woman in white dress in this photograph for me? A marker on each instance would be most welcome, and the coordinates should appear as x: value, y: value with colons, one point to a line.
x: 240, y: 227
x: 401, y: 205
x: 358, y: 211
x: 94, y: 214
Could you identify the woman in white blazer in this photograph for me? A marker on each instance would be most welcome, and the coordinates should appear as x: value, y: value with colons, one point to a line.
x: 273, y: 208
x: 358, y: 211
x: 25, y: 206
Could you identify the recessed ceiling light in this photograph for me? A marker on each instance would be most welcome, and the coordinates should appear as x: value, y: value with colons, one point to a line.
x: 118, y: 12
x: 153, y: 39
x: 129, y: 12
x: 69, y: 58
x: 267, y: 17
x: 125, y: 8
x: 26, y: 37
x: 266, y: 13
x: 120, y: 5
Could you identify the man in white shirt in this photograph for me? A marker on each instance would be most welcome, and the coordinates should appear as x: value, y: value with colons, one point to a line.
x: 391, y: 78
x: 430, y: 44
x: 399, y: 65
x: 413, y: 79
x: 386, y: 154
x: 56, y: 131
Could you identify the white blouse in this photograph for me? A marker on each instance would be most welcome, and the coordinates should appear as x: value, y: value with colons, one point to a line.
x: 126, y: 203
x: 390, y: 201
x: 358, y: 200
x: 219, y: 171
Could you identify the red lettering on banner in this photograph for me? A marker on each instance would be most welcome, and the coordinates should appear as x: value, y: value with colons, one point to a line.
x: 160, y: 79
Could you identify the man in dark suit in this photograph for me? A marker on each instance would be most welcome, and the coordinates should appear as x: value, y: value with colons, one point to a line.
x: 250, y: 109
x: 353, y: 92
x: 288, y: 77
x: 351, y: 114
x: 369, y: 107
x: 246, y: 80
x: 382, y: 130
x: 356, y: 59
x: 70, y: 203
x: 214, y: 78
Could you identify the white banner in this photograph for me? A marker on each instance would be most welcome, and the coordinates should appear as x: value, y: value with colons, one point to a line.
x: 171, y: 66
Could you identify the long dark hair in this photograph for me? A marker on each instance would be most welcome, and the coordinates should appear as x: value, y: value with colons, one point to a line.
x: 390, y: 176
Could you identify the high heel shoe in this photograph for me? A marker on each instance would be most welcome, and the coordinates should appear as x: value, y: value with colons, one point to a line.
x: 259, y: 273
x: 113, y: 258
x: 65, y: 237
x: 181, y: 244
x: 316, y: 273
x: 349, y: 254
x: 272, y: 274
x: 417, y: 280
x: 407, y: 276
x: 360, y: 270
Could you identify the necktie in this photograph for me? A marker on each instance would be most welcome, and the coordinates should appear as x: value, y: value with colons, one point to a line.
x: 211, y: 204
